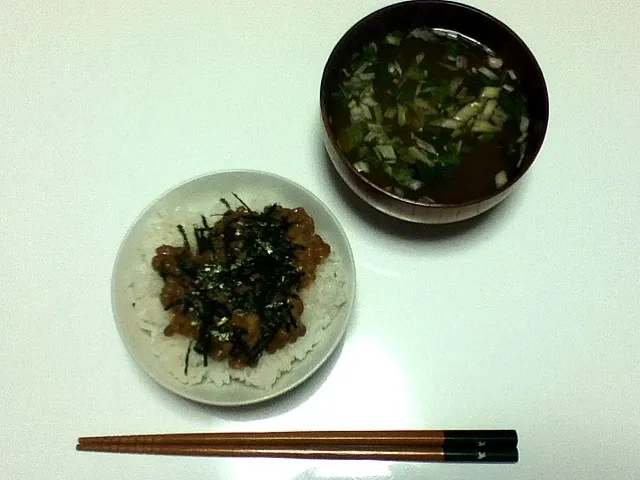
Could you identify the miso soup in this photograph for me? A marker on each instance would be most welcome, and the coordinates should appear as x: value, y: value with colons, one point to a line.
x: 431, y: 115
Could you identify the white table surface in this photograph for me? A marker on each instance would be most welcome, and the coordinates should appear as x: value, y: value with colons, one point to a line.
x: 526, y: 318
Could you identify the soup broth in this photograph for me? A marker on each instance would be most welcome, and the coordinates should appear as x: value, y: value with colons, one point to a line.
x: 431, y: 116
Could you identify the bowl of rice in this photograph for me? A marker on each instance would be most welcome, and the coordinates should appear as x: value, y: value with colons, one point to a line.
x: 141, y: 319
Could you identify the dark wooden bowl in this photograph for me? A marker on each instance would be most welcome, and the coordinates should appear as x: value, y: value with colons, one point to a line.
x: 468, y: 21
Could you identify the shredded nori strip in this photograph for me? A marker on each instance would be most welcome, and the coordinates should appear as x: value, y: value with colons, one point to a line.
x: 225, y: 203
x: 242, y: 202
x: 187, y: 247
x: 203, y: 235
x: 186, y: 358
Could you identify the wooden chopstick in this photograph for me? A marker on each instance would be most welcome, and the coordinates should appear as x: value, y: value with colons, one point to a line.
x: 412, y: 454
x: 458, y: 439
x: 403, y: 445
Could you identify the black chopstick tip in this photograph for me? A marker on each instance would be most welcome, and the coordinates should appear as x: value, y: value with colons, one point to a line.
x: 480, y: 440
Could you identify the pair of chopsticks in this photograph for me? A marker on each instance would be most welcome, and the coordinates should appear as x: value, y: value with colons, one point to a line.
x: 485, y: 446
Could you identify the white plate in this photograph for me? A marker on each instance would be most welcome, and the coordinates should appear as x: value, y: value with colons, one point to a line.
x: 203, y: 194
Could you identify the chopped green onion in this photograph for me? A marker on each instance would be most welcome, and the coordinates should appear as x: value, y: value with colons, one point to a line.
x: 356, y: 114
x: 423, y: 34
x: 501, y: 179
x: 461, y: 62
x: 351, y: 137
x: 425, y: 105
x: 361, y: 69
x: 499, y: 116
x: 377, y: 113
x: 402, y: 115
x: 395, y: 69
x: 484, y: 126
x: 523, y: 149
x: 424, y: 145
x: 386, y: 151
x: 490, y: 92
x: 488, y: 51
x: 446, y: 123
x: 390, y: 113
x: 495, y: 62
x: 361, y: 167
x: 370, y: 102
x: 466, y: 112
x: 487, y: 73
x: 370, y: 136
x: 489, y: 108
x: 419, y: 155
x: 454, y: 85
x: 393, y: 39
x: 366, y: 112
x: 414, y: 74
x: 415, y: 185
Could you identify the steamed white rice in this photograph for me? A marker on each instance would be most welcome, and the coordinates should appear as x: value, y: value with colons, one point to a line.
x: 322, y: 303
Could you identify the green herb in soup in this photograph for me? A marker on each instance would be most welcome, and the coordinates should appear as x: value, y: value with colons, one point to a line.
x: 431, y: 116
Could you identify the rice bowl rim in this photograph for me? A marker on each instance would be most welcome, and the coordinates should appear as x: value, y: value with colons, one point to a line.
x: 347, y: 264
